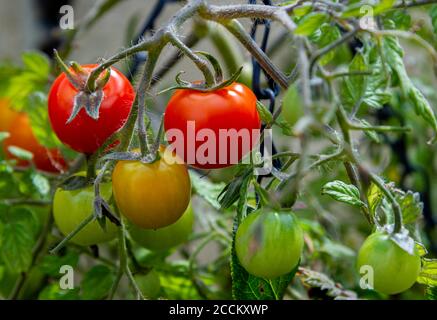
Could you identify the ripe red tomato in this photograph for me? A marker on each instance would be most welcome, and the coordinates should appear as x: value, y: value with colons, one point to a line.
x: 213, y: 139
x: 83, y: 133
x: 21, y: 135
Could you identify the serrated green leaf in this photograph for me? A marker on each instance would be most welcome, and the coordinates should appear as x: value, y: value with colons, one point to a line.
x: 428, y: 273
x: 17, y: 239
x: 394, y: 53
x: 206, y: 189
x: 97, y: 282
x: 401, y: 19
x: 310, y: 23
x: 343, y: 192
x: 51, y: 264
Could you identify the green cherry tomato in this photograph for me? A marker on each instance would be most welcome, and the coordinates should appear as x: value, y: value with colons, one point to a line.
x: 149, y: 284
x: 394, y: 270
x: 292, y: 109
x: 269, y: 243
x: 71, y: 207
x: 165, y: 238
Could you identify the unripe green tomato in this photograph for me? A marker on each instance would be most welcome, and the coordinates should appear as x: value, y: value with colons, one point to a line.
x: 149, y: 284
x: 71, y: 207
x: 246, y: 74
x: 292, y: 109
x: 269, y: 243
x: 165, y: 238
x: 394, y: 270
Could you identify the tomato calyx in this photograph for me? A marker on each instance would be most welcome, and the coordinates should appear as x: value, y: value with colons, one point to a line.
x: 87, y: 99
x: 402, y: 239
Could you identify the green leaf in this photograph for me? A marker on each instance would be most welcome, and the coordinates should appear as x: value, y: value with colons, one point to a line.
x: 428, y: 274
x: 343, y: 192
x: 264, y: 113
x: 314, y: 279
x: 31, y: 78
x: 206, y: 189
x: 231, y: 192
x: 54, y: 292
x: 39, y: 120
x: 177, y: 287
x: 310, y: 23
x: 323, y: 37
x: 374, y: 198
x: 357, y: 9
x: 394, y: 53
x: 32, y: 182
x: 433, y: 16
x: 20, y: 153
x: 401, y: 19
x: 97, y: 283
x: 17, y: 239
x: 431, y: 293
x: 51, y: 264
x: 36, y: 63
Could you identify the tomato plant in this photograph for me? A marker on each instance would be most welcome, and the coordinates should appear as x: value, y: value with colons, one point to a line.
x: 166, y: 237
x: 230, y: 109
x: 394, y: 270
x: 150, y: 284
x: 83, y: 133
x: 166, y: 185
x: 269, y: 244
x: 71, y: 207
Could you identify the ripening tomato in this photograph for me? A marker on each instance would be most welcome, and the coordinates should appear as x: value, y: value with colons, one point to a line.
x: 152, y: 195
x: 394, y: 270
x: 7, y: 115
x: 71, y: 207
x: 215, y: 129
x: 21, y: 135
x: 165, y: 238
x: 269, y: 243
x: 83, y: 133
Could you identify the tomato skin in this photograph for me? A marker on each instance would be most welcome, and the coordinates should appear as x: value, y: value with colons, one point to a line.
x: 269, y: 243
x: 149, y: 284
x: 394, y: 270
x: 233, y: 107
x: 165, y: 238
x: 151, y: 195
x: 7, y: 115
x: 21, y: 135
x: 83, y: 133
x: 71, y: 207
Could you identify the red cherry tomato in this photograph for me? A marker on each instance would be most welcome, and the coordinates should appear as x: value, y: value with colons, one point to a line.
x: 83, y: 133
x: 210, y: 124
x: 21, y: 135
